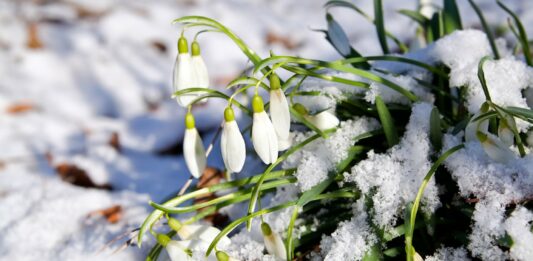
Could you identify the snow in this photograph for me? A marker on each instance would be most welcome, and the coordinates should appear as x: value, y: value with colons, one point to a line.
x: 448, y: 254
x: 316, y: 159
x: 396, y: 175
x: 518, y: 226
x: 352, y: 239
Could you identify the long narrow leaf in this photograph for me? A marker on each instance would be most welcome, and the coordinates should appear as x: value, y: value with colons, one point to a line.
x: 380, y: 25
x: 486, y: 28
x: 521, y: 31
x: 386, y: 121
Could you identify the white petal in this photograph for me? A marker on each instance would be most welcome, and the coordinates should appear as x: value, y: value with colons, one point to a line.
x: 264, y: 138
x: 202, y: 232
x: 496, y: 150
x: 473, y: 127
x: 183, y: 78
x: 505, y: 133
x: 275, y: 246
x: 176, y: 251
x: 233, y: 147
x: 194, y: 152
x: 324, y: 120
x: 281, y: 117
x: 201, y: 78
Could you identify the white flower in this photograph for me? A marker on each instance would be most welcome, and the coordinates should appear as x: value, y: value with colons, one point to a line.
x: 279, y: 112
x: 495, y: 148
x: 183, y: 77
x: 199, y: 70
x: 176, y: 251
x: 264, y: 136
x: 427, y: 8
x: 323, y: 120
x: 505, y: 132
x: 273, y: 242
x: 474, y: 126
x: 232, y: 143
x: 193, y: 148
x: 198, y: 232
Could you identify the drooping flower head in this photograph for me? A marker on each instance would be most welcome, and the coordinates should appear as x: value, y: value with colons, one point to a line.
x: 199, y: 70
x: 183, y: 77
x: 264, y: 136
x: 232, y: 143
x: 279, y: 112
x: 193, y: 148
x: 323, y: 120
x: 273, y: 242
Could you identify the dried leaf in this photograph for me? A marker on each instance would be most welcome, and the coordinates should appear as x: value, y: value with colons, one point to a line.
x: 20, y: 108
x: 114, y: 142
x: 34, y: 42
x: 111, y: 214
x: 287, y: 42
x: 78, y: 177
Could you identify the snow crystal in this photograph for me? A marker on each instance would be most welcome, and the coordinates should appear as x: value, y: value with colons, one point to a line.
x: 397, y: 174
x: 448, y: 254
x: 244, y: 247
x: 352, y: 239
x: 316, y: 159
x: 518, y: 226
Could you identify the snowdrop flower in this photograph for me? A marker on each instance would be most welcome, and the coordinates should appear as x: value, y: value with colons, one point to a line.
x: 193, y: 148
x: 175, y: 250
x: 199, y: 70
x: 279, y: 112
x: 232, y: 143
x: 273, y: 242
x: 323, y: 120
x: 505, y: 132
x: 474, y: 126
x: 495, y: 148
x: 183, y: 74
x: 427, y: 8
x: 203, y: 233
x: 264, y: 136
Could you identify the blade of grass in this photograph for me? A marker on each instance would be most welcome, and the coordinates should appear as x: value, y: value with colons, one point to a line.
x: 386, y: 121
x: 481, y: 77
x: 486, y: 28
x: 451, y: 17
x: 521, y: 31
x: 380, y: 25
x: 435, y: 133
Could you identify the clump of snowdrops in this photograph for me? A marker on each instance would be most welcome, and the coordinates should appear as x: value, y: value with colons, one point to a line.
x: 494, y: 126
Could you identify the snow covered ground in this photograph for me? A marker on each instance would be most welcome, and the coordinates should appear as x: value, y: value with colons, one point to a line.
x: 85, y: 99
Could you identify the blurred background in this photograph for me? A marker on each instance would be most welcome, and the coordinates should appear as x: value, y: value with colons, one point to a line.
x: 88, y: 131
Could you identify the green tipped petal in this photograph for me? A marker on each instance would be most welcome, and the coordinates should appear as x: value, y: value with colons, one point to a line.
x: 182, y: 45
x: 189, y: 121
x: 274, y: 82
x: 257, y: 104
x: 195, y: 48
x: 300, y: 108
x: 228, y: 114
x: 265, y: 228
x: 222, y: 256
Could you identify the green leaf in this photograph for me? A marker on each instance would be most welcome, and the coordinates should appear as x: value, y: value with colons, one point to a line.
x: 373, y: 254
x: 339, y: 40
x: 386, y: 121
x: 380, y: 25
x: 521, y: 32
x: 435, y: 132
x: 481, y: 77
x: 415, y: 16
x: 517, y: 111
x: 486, y: 28
x: 451, y: 17
x: 412, y: 214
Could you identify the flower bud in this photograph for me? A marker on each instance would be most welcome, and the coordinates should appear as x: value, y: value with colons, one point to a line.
x: 232, y: 143
x: 280, y: 114
x: 273, y: 242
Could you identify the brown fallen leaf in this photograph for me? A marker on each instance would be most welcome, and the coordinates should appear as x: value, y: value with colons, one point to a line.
x: 20, y: 108
x: 78, y: 177
x: 114, y: 142
x: 210, y: 177
x: 287, y: 42
x: 160, y: 46
x: 111, y: 214
x: 34, y: 42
